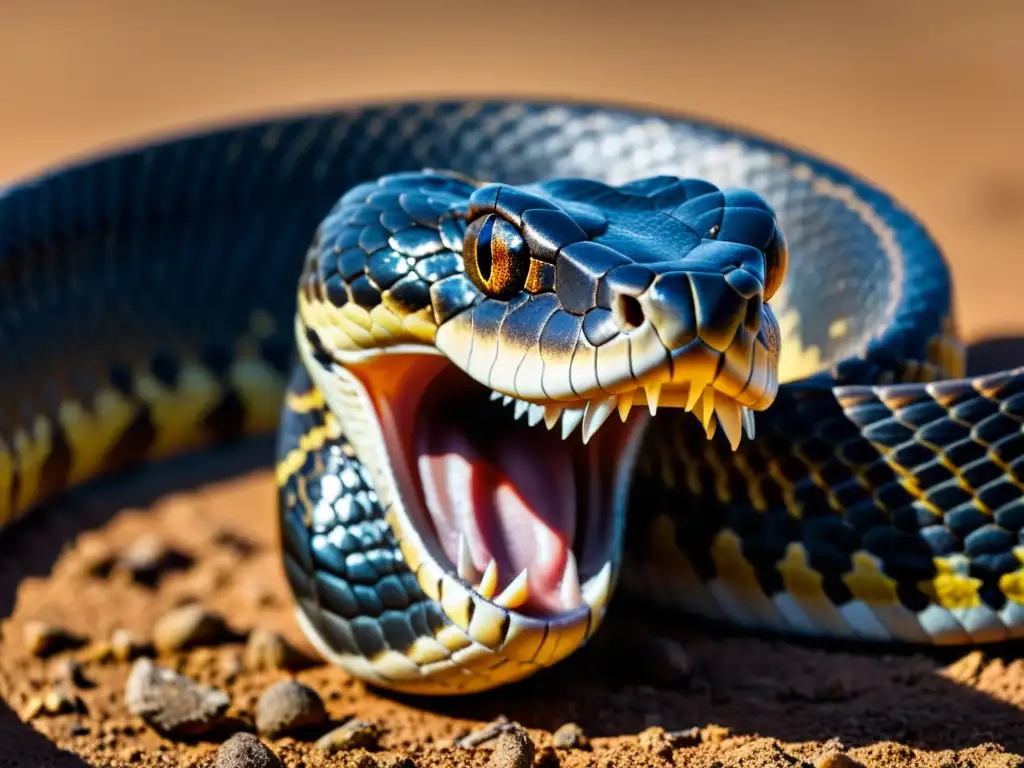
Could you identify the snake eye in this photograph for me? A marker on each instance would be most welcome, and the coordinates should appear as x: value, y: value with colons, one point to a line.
x: 496, y: 256
x: 776, y: 261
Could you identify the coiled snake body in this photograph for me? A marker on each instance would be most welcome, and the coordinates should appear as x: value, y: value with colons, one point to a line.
x: 524, y: 378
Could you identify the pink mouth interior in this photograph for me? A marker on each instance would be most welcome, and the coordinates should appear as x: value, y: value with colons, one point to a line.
x: 511, y: 489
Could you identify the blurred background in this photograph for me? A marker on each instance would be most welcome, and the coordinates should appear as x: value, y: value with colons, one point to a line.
x: 924, y: 97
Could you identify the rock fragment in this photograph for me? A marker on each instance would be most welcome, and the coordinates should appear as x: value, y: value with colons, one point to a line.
x: 243, y: 750
x: 514, y: 749
x: 60, y: 700
x: 355, y: 734
x: 836, y: 759
x: 570, y: 736
x: 189, y: 626
x: 485, y: 734
x: 266, y: 649
x: 288, y: 706
x: 171, y: 703
x: 123, y: 645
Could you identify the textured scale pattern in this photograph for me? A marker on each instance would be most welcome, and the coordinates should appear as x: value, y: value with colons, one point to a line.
x: 341, y: 558
x: 379, y: 271
x: 147, y: 303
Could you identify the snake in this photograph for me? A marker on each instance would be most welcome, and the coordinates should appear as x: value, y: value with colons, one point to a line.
x: 519, y: 358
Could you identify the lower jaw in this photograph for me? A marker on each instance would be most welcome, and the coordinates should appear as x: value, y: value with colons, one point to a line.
x: 488, y: 644
x: 483, y: 636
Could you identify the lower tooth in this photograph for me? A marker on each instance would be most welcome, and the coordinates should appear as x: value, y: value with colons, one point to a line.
x: 569, y: 590
x: 489, y: 581
x: 597, y: 589
x: 515, y: 594
x: 467, y: 571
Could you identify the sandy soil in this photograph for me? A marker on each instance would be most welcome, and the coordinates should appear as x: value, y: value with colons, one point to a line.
x: 925, y: 97
x: 743, y: 701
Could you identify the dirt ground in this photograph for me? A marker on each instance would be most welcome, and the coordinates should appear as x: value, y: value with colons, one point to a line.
x: 925, y: 98
x: 736, y: 700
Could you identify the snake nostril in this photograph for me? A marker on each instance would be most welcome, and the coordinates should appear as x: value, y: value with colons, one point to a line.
x: 628, y: 313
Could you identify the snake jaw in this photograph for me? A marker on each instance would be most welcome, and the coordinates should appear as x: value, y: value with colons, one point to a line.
x: 498, y: 628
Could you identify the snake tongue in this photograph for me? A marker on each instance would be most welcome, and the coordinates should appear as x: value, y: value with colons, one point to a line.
x: 512, y: 495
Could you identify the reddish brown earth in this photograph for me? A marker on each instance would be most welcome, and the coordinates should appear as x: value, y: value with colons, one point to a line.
x: 748, y: 701
x: 925, y: 97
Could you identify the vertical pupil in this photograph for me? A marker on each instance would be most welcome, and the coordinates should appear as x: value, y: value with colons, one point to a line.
x: 483, y: 249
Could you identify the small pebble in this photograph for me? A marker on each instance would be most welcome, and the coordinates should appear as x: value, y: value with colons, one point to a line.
x: 59, y: 701
x: 243, y: 750
x: 148, y: 558
x: 266, y: 649
x: 188, y: 627
x: 355, y: 734
x: 570, y: 736
x: 171, y: 703
x: 483, y: 735
x: 837, y: 760
x: 288, y: 706
x: 123, y: 645
x: 514, y: 749
x: 42, y: 639
x: 68, y: 671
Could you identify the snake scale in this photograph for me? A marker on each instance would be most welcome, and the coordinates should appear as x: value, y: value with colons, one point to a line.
x: 531, y: 355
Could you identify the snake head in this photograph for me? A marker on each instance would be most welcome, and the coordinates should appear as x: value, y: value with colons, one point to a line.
x: 594, y: 299
x: 448, y: 322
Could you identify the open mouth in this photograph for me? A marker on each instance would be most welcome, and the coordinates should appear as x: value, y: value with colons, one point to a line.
x: 525, y: 517
x: 517, y: 504
x: 510, y: 514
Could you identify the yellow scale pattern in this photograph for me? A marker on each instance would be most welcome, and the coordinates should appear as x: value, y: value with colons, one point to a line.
x: 92, y: 429
x: 736, y: 594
